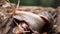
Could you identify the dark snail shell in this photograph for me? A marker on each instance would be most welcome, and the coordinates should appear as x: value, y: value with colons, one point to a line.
x: 35, y: 21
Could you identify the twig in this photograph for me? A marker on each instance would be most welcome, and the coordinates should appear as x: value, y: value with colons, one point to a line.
x: 18, y: 4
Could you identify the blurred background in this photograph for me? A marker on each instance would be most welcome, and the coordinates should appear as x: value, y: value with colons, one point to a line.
x: 44, y: 3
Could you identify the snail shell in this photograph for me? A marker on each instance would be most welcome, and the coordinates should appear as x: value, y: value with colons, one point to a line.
x: 33, y: 20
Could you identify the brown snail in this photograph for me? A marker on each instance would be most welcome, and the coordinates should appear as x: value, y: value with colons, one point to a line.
x: 35, y: 22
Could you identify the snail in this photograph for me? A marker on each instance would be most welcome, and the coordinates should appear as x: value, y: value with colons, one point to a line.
x: 34, y: 21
